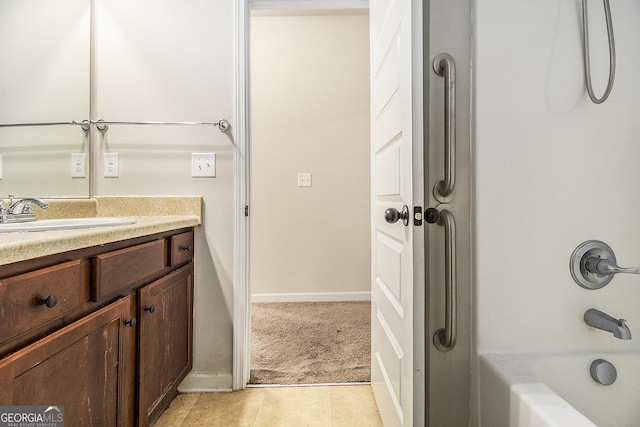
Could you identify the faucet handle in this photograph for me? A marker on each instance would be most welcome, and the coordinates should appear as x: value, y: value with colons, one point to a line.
x: 3, y: 212
x: 593, y: 265
x: 597, y: 265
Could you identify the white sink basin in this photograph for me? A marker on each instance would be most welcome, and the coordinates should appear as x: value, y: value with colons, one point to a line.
x: 65, y: 224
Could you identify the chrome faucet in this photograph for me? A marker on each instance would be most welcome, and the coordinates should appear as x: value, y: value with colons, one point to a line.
x: 23, y: 206
x: 599, y: 320
x: 20, y: 211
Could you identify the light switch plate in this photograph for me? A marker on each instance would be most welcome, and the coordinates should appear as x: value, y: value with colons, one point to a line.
x: 203, y: 165
x: 1, y: 166
x: 78, y: 165
x: 111, y: 165
x: 304, y: 180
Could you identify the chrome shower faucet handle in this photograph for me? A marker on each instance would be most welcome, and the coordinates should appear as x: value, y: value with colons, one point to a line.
x: 593, y: 265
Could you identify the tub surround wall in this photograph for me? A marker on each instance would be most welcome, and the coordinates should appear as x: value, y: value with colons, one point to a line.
x: 552, y: 170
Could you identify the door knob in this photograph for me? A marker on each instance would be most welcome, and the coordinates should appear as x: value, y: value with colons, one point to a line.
x: 432, y: 215
x: 392, y: 215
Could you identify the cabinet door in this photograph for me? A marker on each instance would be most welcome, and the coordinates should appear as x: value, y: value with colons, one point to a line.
x: 85, y: 367
x: 165, y: 334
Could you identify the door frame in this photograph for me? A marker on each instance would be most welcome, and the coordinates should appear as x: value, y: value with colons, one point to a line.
x: 242, y: 139
x: 242, y: 291
x: 421, y: 15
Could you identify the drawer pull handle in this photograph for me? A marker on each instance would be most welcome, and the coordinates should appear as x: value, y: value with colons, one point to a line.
x: 132, y: 322
x: 150, y: 309
x: 186, y: 248
x: 49, y: 301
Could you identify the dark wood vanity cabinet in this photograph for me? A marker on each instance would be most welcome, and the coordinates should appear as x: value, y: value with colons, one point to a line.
x: 165, y: 336
x: 109, y: 344
x: 86, y: 367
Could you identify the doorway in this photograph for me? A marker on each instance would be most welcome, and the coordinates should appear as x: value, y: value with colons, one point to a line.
x: 310, y: 173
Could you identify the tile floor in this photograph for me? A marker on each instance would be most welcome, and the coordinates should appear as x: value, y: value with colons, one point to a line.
x: 331, y: 406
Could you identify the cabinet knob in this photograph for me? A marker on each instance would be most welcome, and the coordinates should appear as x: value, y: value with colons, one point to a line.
x: 150, y: 309
x: 49, y: 301
x: 186, y: 248
x: 131, y: 322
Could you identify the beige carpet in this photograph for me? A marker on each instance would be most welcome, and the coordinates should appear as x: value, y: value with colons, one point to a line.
x: 310, y: 343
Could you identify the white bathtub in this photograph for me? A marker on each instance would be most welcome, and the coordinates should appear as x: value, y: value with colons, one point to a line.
x: 556, y: 390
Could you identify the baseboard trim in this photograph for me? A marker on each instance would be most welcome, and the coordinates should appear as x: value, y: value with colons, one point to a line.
x: 203, y: 382
x: 368, y: 383
x: 313, y: 297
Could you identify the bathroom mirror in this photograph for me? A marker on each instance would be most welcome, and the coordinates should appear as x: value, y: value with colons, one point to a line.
x: 44, y: 78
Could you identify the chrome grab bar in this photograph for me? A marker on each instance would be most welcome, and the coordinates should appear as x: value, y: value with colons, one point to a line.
x: 445, y: 338
x: 444, y: 65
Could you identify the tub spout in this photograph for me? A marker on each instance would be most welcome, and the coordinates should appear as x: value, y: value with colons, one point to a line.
x: 597, y: 319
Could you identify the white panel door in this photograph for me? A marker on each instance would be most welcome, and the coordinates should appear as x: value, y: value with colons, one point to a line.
x: 392, y: 244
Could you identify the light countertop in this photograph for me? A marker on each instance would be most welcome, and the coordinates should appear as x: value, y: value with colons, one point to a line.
x: 19, y: 246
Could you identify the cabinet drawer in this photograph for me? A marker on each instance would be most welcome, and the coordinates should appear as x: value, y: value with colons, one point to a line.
x: 117, y: 270
x: 181, y: 248
x: 33, y: 299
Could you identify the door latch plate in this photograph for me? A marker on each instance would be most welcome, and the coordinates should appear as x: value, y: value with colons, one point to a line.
x: 417, y: 216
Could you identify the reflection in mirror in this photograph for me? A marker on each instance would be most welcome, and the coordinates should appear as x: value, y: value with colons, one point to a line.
x: 44, y: 78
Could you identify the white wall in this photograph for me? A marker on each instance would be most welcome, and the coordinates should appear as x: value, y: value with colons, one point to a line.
x: 552, y: 170
x: 170, y: 60
x: 310, y: 113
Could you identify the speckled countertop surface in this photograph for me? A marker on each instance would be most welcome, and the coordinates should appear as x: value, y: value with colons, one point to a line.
x: 152, y: 215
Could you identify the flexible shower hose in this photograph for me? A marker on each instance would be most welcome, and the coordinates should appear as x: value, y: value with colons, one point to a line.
x: 612, y: 52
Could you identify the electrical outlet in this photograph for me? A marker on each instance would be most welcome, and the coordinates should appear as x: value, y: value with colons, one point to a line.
x: 203, y: 165
x: 111, y: 165
x: 304, y: 180
x: 78, y: 165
